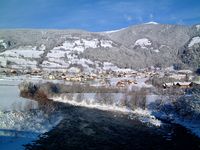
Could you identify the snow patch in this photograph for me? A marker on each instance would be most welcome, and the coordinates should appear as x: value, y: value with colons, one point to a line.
x: 145, y: 116
x: 17, y: 62
x: 151, y: 22
x: 42, y: 47
x: 195, y: 40
x: 21, y: 57
x: 81, y: 44
x: 28, y: 53
x: 198, y: 27
x: 3, y: 44
x: 143, y: 43
x: 156, y: 50
x: 35, y: 121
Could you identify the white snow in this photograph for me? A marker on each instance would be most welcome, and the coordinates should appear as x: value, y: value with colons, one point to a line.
x: 198, y: 27
x: 18, y: 62
x: 106, y: 43
x: 22, y: 53
x: 81, y: 44
x: 195, y: 40
x: 156, y: 50
x: 10, y: 99
x: 145, y: 116
x: 151, y: 22
x: 21, y: 57
x: 74, y: 70
x: 42, y: 47
x: 143, y: 43
x: 28, y: 47
x: 109, y: 66
x: 19, y: 125
x: 90, y: 44
x: 191, y: 123
x: 54, y: 64
x: 3, y: 43
x: 113, y: 31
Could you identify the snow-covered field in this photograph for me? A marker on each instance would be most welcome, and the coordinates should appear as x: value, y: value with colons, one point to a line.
x: 10, y: 99
x: 143, y: 43
x: 21, y: 57
x: 20, y: 119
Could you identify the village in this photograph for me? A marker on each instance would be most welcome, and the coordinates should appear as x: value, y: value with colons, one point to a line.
x: 108, y: 78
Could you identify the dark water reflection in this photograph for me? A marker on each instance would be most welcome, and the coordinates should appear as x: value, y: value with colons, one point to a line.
x: 84, y: 128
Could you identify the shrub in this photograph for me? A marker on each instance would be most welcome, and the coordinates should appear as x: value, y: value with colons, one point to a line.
x: 178, y: 66
x: 44, y: 90
x: 138, y: 99
x: 198, y: 71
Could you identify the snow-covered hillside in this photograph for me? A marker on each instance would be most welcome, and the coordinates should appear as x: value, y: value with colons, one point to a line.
x: 136, y: 46
x: 66, y: 55
x: 20, y: 57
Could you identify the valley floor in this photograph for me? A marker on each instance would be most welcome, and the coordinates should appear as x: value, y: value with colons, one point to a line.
x: 89, y: 127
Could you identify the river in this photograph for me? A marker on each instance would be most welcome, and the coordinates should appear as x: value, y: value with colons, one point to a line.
x: 77, y: 127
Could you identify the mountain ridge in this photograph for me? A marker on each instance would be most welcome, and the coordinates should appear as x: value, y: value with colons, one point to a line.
x: 136, y: 47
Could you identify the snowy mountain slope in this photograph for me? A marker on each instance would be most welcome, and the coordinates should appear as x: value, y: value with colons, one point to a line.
x: 138, y: 46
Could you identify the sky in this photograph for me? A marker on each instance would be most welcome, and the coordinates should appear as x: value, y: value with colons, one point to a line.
x: 96, y: 15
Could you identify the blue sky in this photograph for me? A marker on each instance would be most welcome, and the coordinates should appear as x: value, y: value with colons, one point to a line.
x: 96, y: 15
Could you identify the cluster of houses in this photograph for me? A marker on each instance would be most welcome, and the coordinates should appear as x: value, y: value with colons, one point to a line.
x: 124, y: 83
x: 104, y: 76
x: 77, y: 76
x: 67, y: 77
x: 184, y: 79
x: 15, y: 72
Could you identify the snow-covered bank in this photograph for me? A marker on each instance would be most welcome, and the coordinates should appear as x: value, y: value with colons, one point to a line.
x: 20, y: 128
x: 192, y: 125
x: 183, y: 111
x: 21, y: 120
x: 33, y: 121
x: 90, y: 101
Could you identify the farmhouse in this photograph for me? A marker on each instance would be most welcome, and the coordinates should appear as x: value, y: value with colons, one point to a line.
x: 183, y: 84
x: 178, y: 84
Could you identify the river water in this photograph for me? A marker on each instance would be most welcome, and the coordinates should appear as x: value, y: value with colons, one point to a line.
x: 77, y: 127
